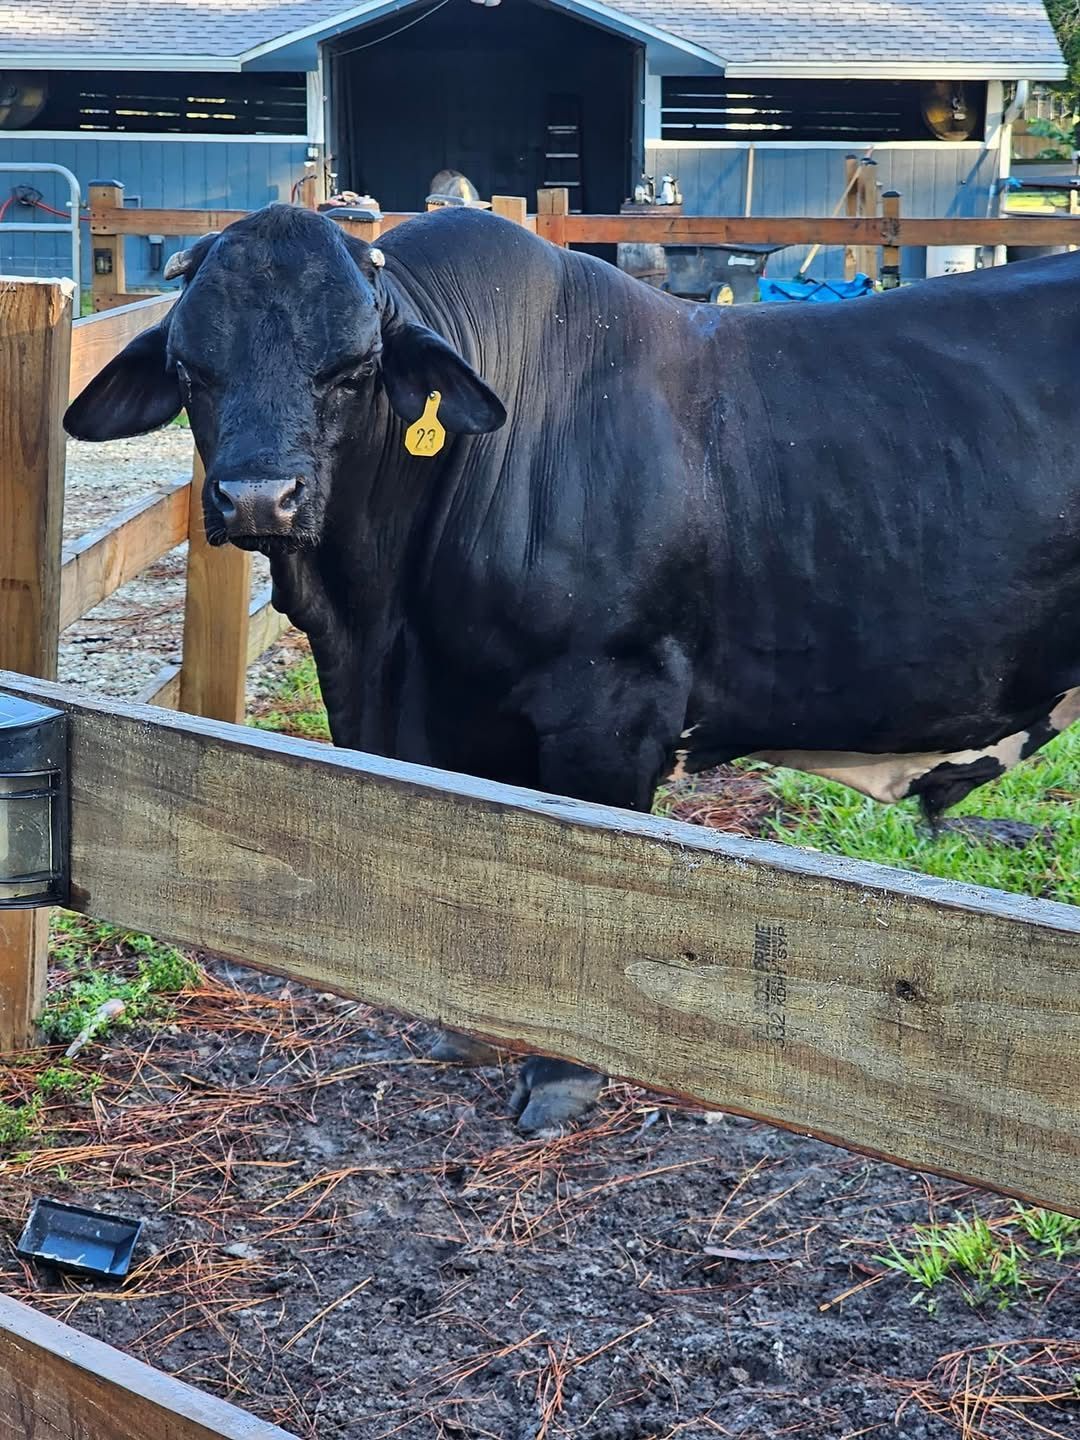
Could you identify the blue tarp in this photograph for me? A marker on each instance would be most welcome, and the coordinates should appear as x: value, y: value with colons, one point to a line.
x: 814, y: 290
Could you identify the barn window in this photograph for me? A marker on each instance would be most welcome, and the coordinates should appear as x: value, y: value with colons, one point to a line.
x: 159, y: 103
x: 713, y: 108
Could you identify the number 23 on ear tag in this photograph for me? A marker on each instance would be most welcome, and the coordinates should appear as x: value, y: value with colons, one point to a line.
x: 426, y: 436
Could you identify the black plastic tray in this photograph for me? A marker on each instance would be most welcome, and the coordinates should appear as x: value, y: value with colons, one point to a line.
x: 79, y: 1240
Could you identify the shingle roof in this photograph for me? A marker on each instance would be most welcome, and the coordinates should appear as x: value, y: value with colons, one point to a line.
x: 217, y: 29
x: 822, y: 36
x: 1004, y: 38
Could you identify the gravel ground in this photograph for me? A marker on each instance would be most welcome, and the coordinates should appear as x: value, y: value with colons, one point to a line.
x: 121, y: 645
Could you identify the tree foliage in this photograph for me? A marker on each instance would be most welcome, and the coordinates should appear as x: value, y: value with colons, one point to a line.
x: 1065, y: 17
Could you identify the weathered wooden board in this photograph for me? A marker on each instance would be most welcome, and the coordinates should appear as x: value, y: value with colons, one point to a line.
x: 931, y: 1023
x: 35, y: 338
x: 213, y: 680
x: 35, y: 352
x: 95, y: 339
x: 102, y: 560
x: 58, y: 1384
x: 661, y: 229
x: 108, y: 220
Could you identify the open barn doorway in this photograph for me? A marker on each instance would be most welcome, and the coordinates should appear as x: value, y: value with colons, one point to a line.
x: 516, y: 95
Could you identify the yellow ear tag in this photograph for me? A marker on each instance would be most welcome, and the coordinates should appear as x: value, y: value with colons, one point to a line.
x: 426, y: 436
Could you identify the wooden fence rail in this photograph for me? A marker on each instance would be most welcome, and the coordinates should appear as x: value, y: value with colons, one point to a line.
x: 661, y: 228
x: 877, y: 231
x: 926, y: 1022
x: 107, y: 557
x: 862, y: 232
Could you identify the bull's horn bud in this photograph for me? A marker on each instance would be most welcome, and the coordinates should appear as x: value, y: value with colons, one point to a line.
x: 180, y: 263
x: 177, y: 264
x: 378, y: 259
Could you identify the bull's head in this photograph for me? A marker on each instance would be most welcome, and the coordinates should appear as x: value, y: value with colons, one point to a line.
x: 288, y: 347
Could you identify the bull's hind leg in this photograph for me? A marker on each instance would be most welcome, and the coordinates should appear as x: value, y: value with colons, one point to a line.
x: 949, y: 783
x: 952, y: 780
x: 940, y: 779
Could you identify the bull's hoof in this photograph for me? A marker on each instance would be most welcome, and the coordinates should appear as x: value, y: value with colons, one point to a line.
x: 458, y: 1049
x: 551, y: 1093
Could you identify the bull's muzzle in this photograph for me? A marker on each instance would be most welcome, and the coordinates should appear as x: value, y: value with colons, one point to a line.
x: 258, y: 508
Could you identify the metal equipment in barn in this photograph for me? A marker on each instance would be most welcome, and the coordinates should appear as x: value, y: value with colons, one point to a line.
x: 717, y: 274
x: 720, y: 274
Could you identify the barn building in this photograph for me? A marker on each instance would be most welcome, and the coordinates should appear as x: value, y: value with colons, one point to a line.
x: 752, y: 104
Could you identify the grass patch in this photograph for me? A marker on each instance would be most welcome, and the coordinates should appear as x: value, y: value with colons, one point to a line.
x: 1059, y: 1235
x: 987, y: 1267
x: 1042, y: 791
x: 296, y: 706
x: 987, y: 1263
x: 64, y: 1082
x: 19, y: 1123
x: 106, y: 965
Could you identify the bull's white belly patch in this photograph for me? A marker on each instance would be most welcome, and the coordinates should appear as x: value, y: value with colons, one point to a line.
x: 890, y: 777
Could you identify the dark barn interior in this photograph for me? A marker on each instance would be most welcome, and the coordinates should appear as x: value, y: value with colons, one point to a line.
x: 515, y: 95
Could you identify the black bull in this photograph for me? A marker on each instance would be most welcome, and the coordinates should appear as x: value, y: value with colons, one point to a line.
x: 847, y: 537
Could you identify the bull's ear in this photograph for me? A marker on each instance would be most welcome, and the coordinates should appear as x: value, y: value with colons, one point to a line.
x: 135, y: 393
x: 417, y: 361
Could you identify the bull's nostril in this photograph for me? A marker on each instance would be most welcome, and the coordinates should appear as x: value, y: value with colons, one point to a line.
x: 291, y: 495
x: 224, y: 501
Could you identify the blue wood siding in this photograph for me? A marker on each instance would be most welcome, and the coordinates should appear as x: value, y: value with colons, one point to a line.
x: 934, y: 180
x: 184, y: 174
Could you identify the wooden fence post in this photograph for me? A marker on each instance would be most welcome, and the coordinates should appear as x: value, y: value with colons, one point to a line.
x: 213, y: 677
x: 35, y: 357
x: 368, y: 230
x: 510, y: 207
x: 868, y: 208
x: 851, y: 210
x: 890, y: 253
x: 108, y: 279
x: 552, y: 208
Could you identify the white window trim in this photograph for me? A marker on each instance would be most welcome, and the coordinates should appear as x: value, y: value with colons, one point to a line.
x: 817, y: 144
x: 169, y: 138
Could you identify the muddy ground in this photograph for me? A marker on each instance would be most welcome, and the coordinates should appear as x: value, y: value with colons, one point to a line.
x: 352, y: 1241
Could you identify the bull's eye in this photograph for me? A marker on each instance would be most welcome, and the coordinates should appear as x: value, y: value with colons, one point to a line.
x: 189, y: 379
x: 345, y: 374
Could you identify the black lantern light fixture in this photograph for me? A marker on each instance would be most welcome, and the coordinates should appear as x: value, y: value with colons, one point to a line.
x: 34, y: 801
